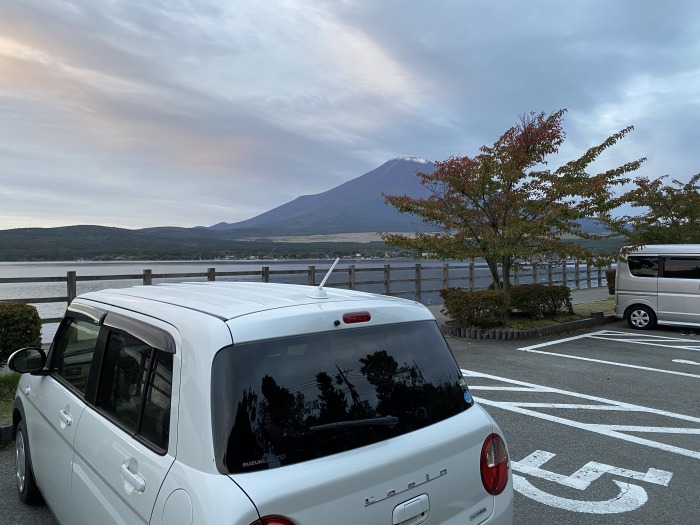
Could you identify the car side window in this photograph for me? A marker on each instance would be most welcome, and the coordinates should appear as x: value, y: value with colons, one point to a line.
x: 135, y: 388
x: 643, y: 266
x: 73, y: 352
x: 682, y: 267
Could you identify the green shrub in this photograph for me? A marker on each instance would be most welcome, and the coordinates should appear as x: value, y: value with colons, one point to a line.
x: 8, y: 386
x: 539, y: 300
x: 610, y: 278
x: 20, y: 326
x: 482, y: 308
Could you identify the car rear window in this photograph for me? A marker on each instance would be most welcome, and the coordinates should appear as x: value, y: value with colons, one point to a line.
x: 283, y: 401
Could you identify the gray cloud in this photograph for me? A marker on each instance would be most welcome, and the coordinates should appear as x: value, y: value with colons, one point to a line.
x: 186, y: 113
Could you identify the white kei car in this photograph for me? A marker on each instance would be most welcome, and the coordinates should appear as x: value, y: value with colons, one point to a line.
x: 254, y: 404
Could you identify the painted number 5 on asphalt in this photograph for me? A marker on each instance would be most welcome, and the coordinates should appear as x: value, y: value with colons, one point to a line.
x: 630, y: 497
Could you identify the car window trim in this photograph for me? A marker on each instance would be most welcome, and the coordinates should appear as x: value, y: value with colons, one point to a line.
x: 151, y: 335
x: 92, y: 315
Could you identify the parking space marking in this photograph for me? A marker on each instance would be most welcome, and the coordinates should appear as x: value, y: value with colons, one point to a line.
x: 685, y: 362
x: 614, y: 363
x: 614, y: 431
x: 625, y: 337
x: 630, y: 496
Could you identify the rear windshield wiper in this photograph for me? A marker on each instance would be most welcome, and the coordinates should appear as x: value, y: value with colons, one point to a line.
x: 383, y: 421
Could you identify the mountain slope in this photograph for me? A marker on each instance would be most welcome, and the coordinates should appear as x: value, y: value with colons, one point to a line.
x: 355, y: 206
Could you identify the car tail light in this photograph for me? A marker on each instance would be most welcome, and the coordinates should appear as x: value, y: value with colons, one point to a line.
x: 273, y: 520
x: 494, y: 464
x: 356, y: 317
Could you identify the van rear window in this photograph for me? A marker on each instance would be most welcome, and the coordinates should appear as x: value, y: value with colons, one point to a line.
x: 284, y: 401
x: 642, y: 266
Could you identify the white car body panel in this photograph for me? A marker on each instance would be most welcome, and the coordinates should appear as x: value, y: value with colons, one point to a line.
x: 365, y: 485
x: 51, y: 440
x: 437, y: 465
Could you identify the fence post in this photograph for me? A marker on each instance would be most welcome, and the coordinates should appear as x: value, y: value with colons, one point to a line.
x: 588, y: 275
x: 419, y: 283
x: 147, y: 277
x: 71, y: 286
x: 549, y: 273
x: 445, y: 275
x: 577, y: 275
x: 266, y: 274
x: 387, y: 277
x: 211, y: 274
x: 312, y: 276
x: 563, y: 273
x: 351, y: 276
x: 472, y: 275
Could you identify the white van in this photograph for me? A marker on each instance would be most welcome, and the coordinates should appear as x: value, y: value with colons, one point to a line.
x: 659, y: 284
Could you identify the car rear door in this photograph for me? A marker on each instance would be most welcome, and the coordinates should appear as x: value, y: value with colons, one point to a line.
x: 430, y: 476
x: 124, y: 446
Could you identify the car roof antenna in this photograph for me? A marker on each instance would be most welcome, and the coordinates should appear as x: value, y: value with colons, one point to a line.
x: 319, y: 292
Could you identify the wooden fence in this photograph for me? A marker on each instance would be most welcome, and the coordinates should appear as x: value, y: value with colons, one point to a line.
x: 415, y: 281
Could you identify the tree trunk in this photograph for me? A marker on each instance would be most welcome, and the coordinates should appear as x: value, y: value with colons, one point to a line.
x: 493, y: 267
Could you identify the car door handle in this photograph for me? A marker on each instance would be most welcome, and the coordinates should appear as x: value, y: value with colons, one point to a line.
x: 132, y: 480
x: 65, y: 418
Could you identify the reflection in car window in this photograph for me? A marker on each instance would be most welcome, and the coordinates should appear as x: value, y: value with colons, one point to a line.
x: 643, y: 266
x: 682, y: 267
x: 72, y: 354
x: 135, y: 387
x: 288, y: 400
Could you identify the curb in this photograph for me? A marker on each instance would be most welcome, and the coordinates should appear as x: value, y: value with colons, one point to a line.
x: 5, y: 434
x: 534, y: 333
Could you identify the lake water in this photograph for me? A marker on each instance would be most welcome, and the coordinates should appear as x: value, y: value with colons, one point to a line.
x: 431, y: 276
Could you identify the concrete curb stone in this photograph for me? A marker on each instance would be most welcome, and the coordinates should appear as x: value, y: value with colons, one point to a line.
x: 509, y: 335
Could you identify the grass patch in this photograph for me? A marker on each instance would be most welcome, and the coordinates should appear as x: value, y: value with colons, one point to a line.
x: 8, y: 386
x: 607, y: 306
x: 517, y: 322
x: 581, y: 311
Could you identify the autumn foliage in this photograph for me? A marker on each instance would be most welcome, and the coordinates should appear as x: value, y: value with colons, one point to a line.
x: 505, y: 206
x: 668, y: 213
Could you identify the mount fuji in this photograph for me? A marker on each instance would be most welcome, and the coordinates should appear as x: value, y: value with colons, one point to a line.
x: 354, y: 206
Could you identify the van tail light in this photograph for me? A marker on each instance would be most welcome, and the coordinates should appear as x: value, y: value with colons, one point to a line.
x: 494, y: 465
x: 273, y: 520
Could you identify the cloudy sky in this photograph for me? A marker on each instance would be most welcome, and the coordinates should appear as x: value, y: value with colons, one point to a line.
x: 138, y: 113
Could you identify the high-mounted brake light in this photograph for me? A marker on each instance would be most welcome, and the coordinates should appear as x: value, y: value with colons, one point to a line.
x: 273, y: 520
x: 494, y: 465
x: 356, y: 317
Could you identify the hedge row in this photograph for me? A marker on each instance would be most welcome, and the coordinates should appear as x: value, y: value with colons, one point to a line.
x: 20, y: 326
x: 491, y: 308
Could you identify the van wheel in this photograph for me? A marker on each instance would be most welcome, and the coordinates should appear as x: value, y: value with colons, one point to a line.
x: 641, y: 317
x: 26, y: 486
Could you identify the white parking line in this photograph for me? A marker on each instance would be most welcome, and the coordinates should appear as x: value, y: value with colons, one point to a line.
x: 614, y: 363
x: 685, y: 362
x: 614, y: 431
x: 625, y: 337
